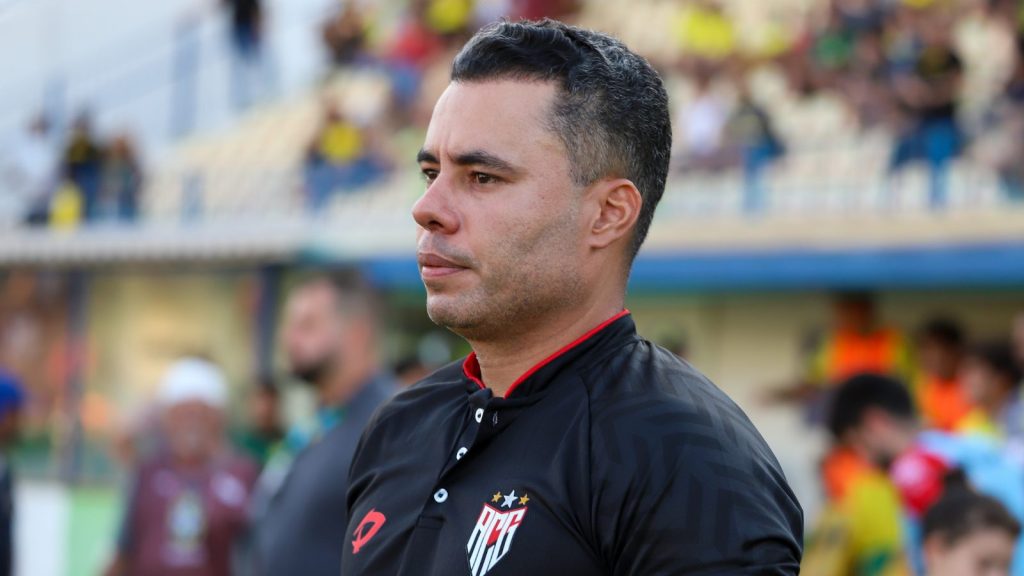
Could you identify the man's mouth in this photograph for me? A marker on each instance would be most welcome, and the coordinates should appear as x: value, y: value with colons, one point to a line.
x: 435, y: 266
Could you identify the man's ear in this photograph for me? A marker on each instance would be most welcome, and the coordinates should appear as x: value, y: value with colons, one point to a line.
x: 618, y: 204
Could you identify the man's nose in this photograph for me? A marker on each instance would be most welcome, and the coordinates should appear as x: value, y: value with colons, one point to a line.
x: 434, y: 211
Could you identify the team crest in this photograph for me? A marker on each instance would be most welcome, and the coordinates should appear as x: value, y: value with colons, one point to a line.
x: 492, y: 537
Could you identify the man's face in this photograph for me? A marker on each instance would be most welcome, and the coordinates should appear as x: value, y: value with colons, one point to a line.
x: 854, y: 315
x: 938, y: 358
x: 882, y: 436
x: 311, y: 332
x: 192, y: 429
x: 501, y: 238
x: 985, y: 553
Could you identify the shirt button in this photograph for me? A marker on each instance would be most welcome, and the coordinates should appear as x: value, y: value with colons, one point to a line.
x: 462, y: 452
x: 440, y: 496
x: 479, y: 415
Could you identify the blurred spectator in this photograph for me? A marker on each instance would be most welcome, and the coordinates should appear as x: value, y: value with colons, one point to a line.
x: 67, y: 207
x: 703, y: 122
x: 873, y: 416
x: 1002, y: 143
x: 29, y: 171
x: 857, y: 343
x: 563, y: 10
x: 122, y: 181
x: 992, y: 378
x: 12, y: 399
x: 341, y: 157
x: 83, y: 170
x: 706, y: 33
x: 186, y: 511
x: 247, y: 28
x: 929, y: 96
x: 1017, y: 337
x: 409, y: 52
x: 751, y: 132
x: 300, y: 509
x: 263, y: 430
x: 940, y: 391
x: 969, y: 534
x: 344, y: 34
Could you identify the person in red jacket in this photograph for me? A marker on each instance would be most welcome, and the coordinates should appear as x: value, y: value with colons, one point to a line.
x: 188, y: 505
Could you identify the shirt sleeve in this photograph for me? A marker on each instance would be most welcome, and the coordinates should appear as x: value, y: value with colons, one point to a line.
x: 125, y: 540
x: 695, y: 493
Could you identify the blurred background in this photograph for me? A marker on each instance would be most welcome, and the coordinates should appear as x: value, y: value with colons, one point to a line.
x: 845, y: 171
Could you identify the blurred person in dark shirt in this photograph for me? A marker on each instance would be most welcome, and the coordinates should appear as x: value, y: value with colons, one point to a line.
x: 929, y: 96
x: 187, y: 508
x: 12, y: 399
x: 344, y: 34
x: 122, y: 180
x: 263, y: 428
x: 299, y: 511
x: 83, y: 164
x: 751, y: 132
x: 247, y: 27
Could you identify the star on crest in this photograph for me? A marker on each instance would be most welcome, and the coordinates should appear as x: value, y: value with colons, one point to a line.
x: 509, y: 500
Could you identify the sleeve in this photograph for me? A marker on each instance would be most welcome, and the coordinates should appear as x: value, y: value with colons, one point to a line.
x: 695, y: 493
x: 125, y: 534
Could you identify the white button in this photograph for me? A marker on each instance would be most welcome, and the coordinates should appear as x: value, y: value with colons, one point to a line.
x: 440, y: 496
x: 462, y: 452
x: 479, y: 415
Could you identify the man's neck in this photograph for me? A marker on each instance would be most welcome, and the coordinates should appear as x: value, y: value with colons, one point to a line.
x: 503, y: 360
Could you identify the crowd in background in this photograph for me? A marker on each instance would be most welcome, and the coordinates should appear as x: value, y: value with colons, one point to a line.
x: 63, y: 179
x: 895, y: 65
x: 915, y: 420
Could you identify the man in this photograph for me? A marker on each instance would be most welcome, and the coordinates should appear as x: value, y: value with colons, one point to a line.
x: 564, y: 444
x: 939, y: 390
x: 12, y: 399
x: 330, y: 340
x: 874, y: 419
x: 992, y: 379
x: 968, y: 534
x: 187, y: 510
x: 857, y: 342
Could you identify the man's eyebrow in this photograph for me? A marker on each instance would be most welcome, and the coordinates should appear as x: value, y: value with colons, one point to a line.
x: 484, y: 159
x: 424, y: 156
x: 471, y: 158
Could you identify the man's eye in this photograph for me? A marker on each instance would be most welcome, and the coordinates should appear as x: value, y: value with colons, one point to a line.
x: 481, y: 178
x: 429, y: 175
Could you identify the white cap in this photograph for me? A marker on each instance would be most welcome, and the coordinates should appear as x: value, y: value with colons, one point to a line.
x: 192, y: 379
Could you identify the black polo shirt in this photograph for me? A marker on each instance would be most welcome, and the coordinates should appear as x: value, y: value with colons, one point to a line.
x: 611, y: 457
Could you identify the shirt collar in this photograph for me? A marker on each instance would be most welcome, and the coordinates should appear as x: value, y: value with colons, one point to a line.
x: 607, y: 335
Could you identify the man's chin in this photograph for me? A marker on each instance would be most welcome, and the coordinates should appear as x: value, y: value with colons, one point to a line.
x: 447, y: 312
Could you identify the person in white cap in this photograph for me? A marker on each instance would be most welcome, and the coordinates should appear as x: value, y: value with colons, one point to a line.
x: 186, y: 511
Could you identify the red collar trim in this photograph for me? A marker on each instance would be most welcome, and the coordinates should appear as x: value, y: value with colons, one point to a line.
x: 471, y: 366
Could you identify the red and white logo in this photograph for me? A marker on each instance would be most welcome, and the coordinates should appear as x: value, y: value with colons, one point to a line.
x: 495, y: 528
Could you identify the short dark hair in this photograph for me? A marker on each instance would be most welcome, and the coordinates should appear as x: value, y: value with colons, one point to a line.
x: 354, y: 296
x: 962, y: 512
x: 863, y: 392
x: 612, y: 111
x: 943, y: 331
x: 998, y: 356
